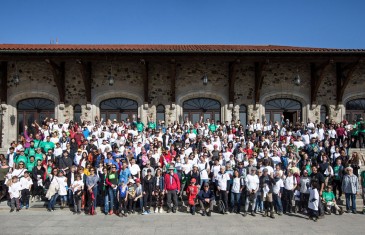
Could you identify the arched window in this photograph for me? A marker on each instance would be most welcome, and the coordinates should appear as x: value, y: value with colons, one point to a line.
x: 324, y: 113
x: 208, y: 108
x: 355, y: 109
x: 243, y: 115
x: 77, y: 113
x: 291, y: 109
x: 160, y: 113
x: 118, y: 109
x: 34, y: 109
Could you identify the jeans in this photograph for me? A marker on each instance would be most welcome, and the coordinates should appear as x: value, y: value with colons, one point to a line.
x: 63, y: 198
x: 77, y: 203
x: 52, y: 201
x: 110, y: 195
x: 250, y: 200
x: 259, y: 206
x: 25, y: 197
x: 171, y: 194
x: 277, y: 203
x: 70, y: 197
x: 14, y: 203
x: 288, y: 197
x: 352, y: 197
x: 236, y: 198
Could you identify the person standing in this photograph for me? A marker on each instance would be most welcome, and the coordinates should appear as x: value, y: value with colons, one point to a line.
x: 221, y: 179
x: 252, y: 186
x: 172, y: 187
x: 350, y: 186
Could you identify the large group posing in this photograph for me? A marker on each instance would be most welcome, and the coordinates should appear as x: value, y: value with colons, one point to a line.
x: 127, y: 167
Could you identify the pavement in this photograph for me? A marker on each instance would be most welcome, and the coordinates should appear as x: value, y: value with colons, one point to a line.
x: 39, y: 221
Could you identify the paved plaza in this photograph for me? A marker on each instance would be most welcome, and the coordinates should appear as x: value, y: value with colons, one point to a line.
x: 63, y: 222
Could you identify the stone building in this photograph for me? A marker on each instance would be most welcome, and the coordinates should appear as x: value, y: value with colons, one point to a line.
x: 172, y: 82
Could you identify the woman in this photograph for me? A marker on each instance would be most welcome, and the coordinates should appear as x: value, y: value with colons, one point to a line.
x: 52, y: 192
x: 355, y: 163
x: 237, y: 186
x: 4, y: 169
x: 92, y: 188
x: 87, y: 169
x: 147, y: 186
x: 158, y: 190
x: 73, y: 147
x: 83, y: 161
x: 38, y: 176
x: 19, y: 172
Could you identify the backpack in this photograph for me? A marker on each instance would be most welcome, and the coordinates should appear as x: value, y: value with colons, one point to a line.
x: 221, y: 206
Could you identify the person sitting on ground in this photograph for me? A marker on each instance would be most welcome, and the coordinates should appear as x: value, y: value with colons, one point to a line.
x: 206, y: 200
x: 329, y: 201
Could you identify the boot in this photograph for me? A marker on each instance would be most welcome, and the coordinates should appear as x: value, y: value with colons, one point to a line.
x: 265, y: 214
x: 272, y: 215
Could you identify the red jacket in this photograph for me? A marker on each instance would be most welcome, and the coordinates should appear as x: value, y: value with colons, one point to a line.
x: 191, y: 192
x: 175, y: 182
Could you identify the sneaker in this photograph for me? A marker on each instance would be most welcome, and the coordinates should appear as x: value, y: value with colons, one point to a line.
x: 174, y: 211
x: 156, y: 210
x: 315, y: 219
x: 354, y: 212
x: 149, y: 212
x: 341, y: 210
x: 209, y: 213
x: 253, y: 214
x: 12, y: 210
x: 244, y: 214
x: 145, y: 213
x: 169, y: 210
x: 111, y: 212
x: 204, y: 213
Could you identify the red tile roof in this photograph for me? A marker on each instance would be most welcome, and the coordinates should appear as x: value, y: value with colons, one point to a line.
x: 154, y: 48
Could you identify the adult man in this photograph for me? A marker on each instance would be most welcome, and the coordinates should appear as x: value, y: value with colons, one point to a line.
x: 221, y: 180
x: 266, y: 187
x: 65, y: 163
x: 252, y: 186
x: 317, y: 176
x: 206, y: 200
x: 350, y: 186
x: 172, y: 188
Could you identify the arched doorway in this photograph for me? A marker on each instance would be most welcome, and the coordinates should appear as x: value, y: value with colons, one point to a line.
x: 118, y: 108
x: 291, y: 109
x: 355, y: 109
x: 33, y: 109
x: 77, y: 113
x: 208, y: 108
x: 160, y: 113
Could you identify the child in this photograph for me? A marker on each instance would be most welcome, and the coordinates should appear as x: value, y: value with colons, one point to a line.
x: 122, y: 197
x: 77, y: 188
x: 26, y: 184
x: 296, y: 204
x: 191, y: 192
x: 329, y: 201
x: 14, y: 193
x: 313, y: 202
x: 131, y: 196
x: 62, y: 192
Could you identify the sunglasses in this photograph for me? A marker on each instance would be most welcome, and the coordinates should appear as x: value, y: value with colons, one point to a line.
x: 114, y: 167
x: 21, y: 164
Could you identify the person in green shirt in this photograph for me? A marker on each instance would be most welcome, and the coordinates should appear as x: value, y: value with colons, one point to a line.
x: 30, y: 164
x: 329, y: 201
x: 37, y: 141
x: 360, y: 126
x: 212, y: 126
x: 151, y: 124
x: 138, y: 124
x: 46, y: 145
x: 31, y: 150
x: 39, y: 155
x: 21, y: 158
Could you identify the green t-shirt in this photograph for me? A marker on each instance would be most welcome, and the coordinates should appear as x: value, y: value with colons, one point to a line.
x: 212, y: 127
x: 37, y: 143
x: 38, y: 156
x: 360, y: 126
x: 21, y: 158
x: 336, y: 171
x: 30, y: 166
x: 140, y: 126
x: 47, y: 145
x: 30, y: 151
x: 152, y: 125
x: 328, y: 196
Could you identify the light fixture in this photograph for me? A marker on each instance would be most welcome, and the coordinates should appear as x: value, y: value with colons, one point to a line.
x: 110, y: 77
x: 205, y: 79
x: 297, y: 79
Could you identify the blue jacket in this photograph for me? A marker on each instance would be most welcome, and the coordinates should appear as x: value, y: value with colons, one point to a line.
x: 204, y: 195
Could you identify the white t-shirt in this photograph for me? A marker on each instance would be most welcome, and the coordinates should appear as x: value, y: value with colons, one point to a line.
x: 14, y: 190
x: 134, y: 169
x: 236, y: 185
x: 26, y: 182
x: 203, y: 166
x: 252, y: 182
x: 289, y: 182
x: 276, y: 187
x: 222, y: 180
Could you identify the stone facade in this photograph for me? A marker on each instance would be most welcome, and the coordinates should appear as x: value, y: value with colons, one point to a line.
x: 37, y: 82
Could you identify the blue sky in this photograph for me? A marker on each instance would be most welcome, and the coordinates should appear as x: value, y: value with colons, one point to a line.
x: 314, y: 23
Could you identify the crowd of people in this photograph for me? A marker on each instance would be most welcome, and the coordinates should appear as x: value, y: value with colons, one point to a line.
x: 126, y: 167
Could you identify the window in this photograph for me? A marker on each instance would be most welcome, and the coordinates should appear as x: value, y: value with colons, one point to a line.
x: 77, y: 113
x: 34, y: 109
x: 208, y: 108
x: 160, y: 113
x: 243, y: 115
x: 291, y: 109
x: 355, y: 109
x: 118, y: 108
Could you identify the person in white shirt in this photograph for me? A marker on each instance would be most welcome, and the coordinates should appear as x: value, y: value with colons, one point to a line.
x: 134, y: 169
x: 290, y: 183
x: 26, y: 184
x: 252, y: 183
x: 14, y: 193
x: 221, y: 181
x: 77, y: 188
x: 237, y: 186
x: 276, y: 189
